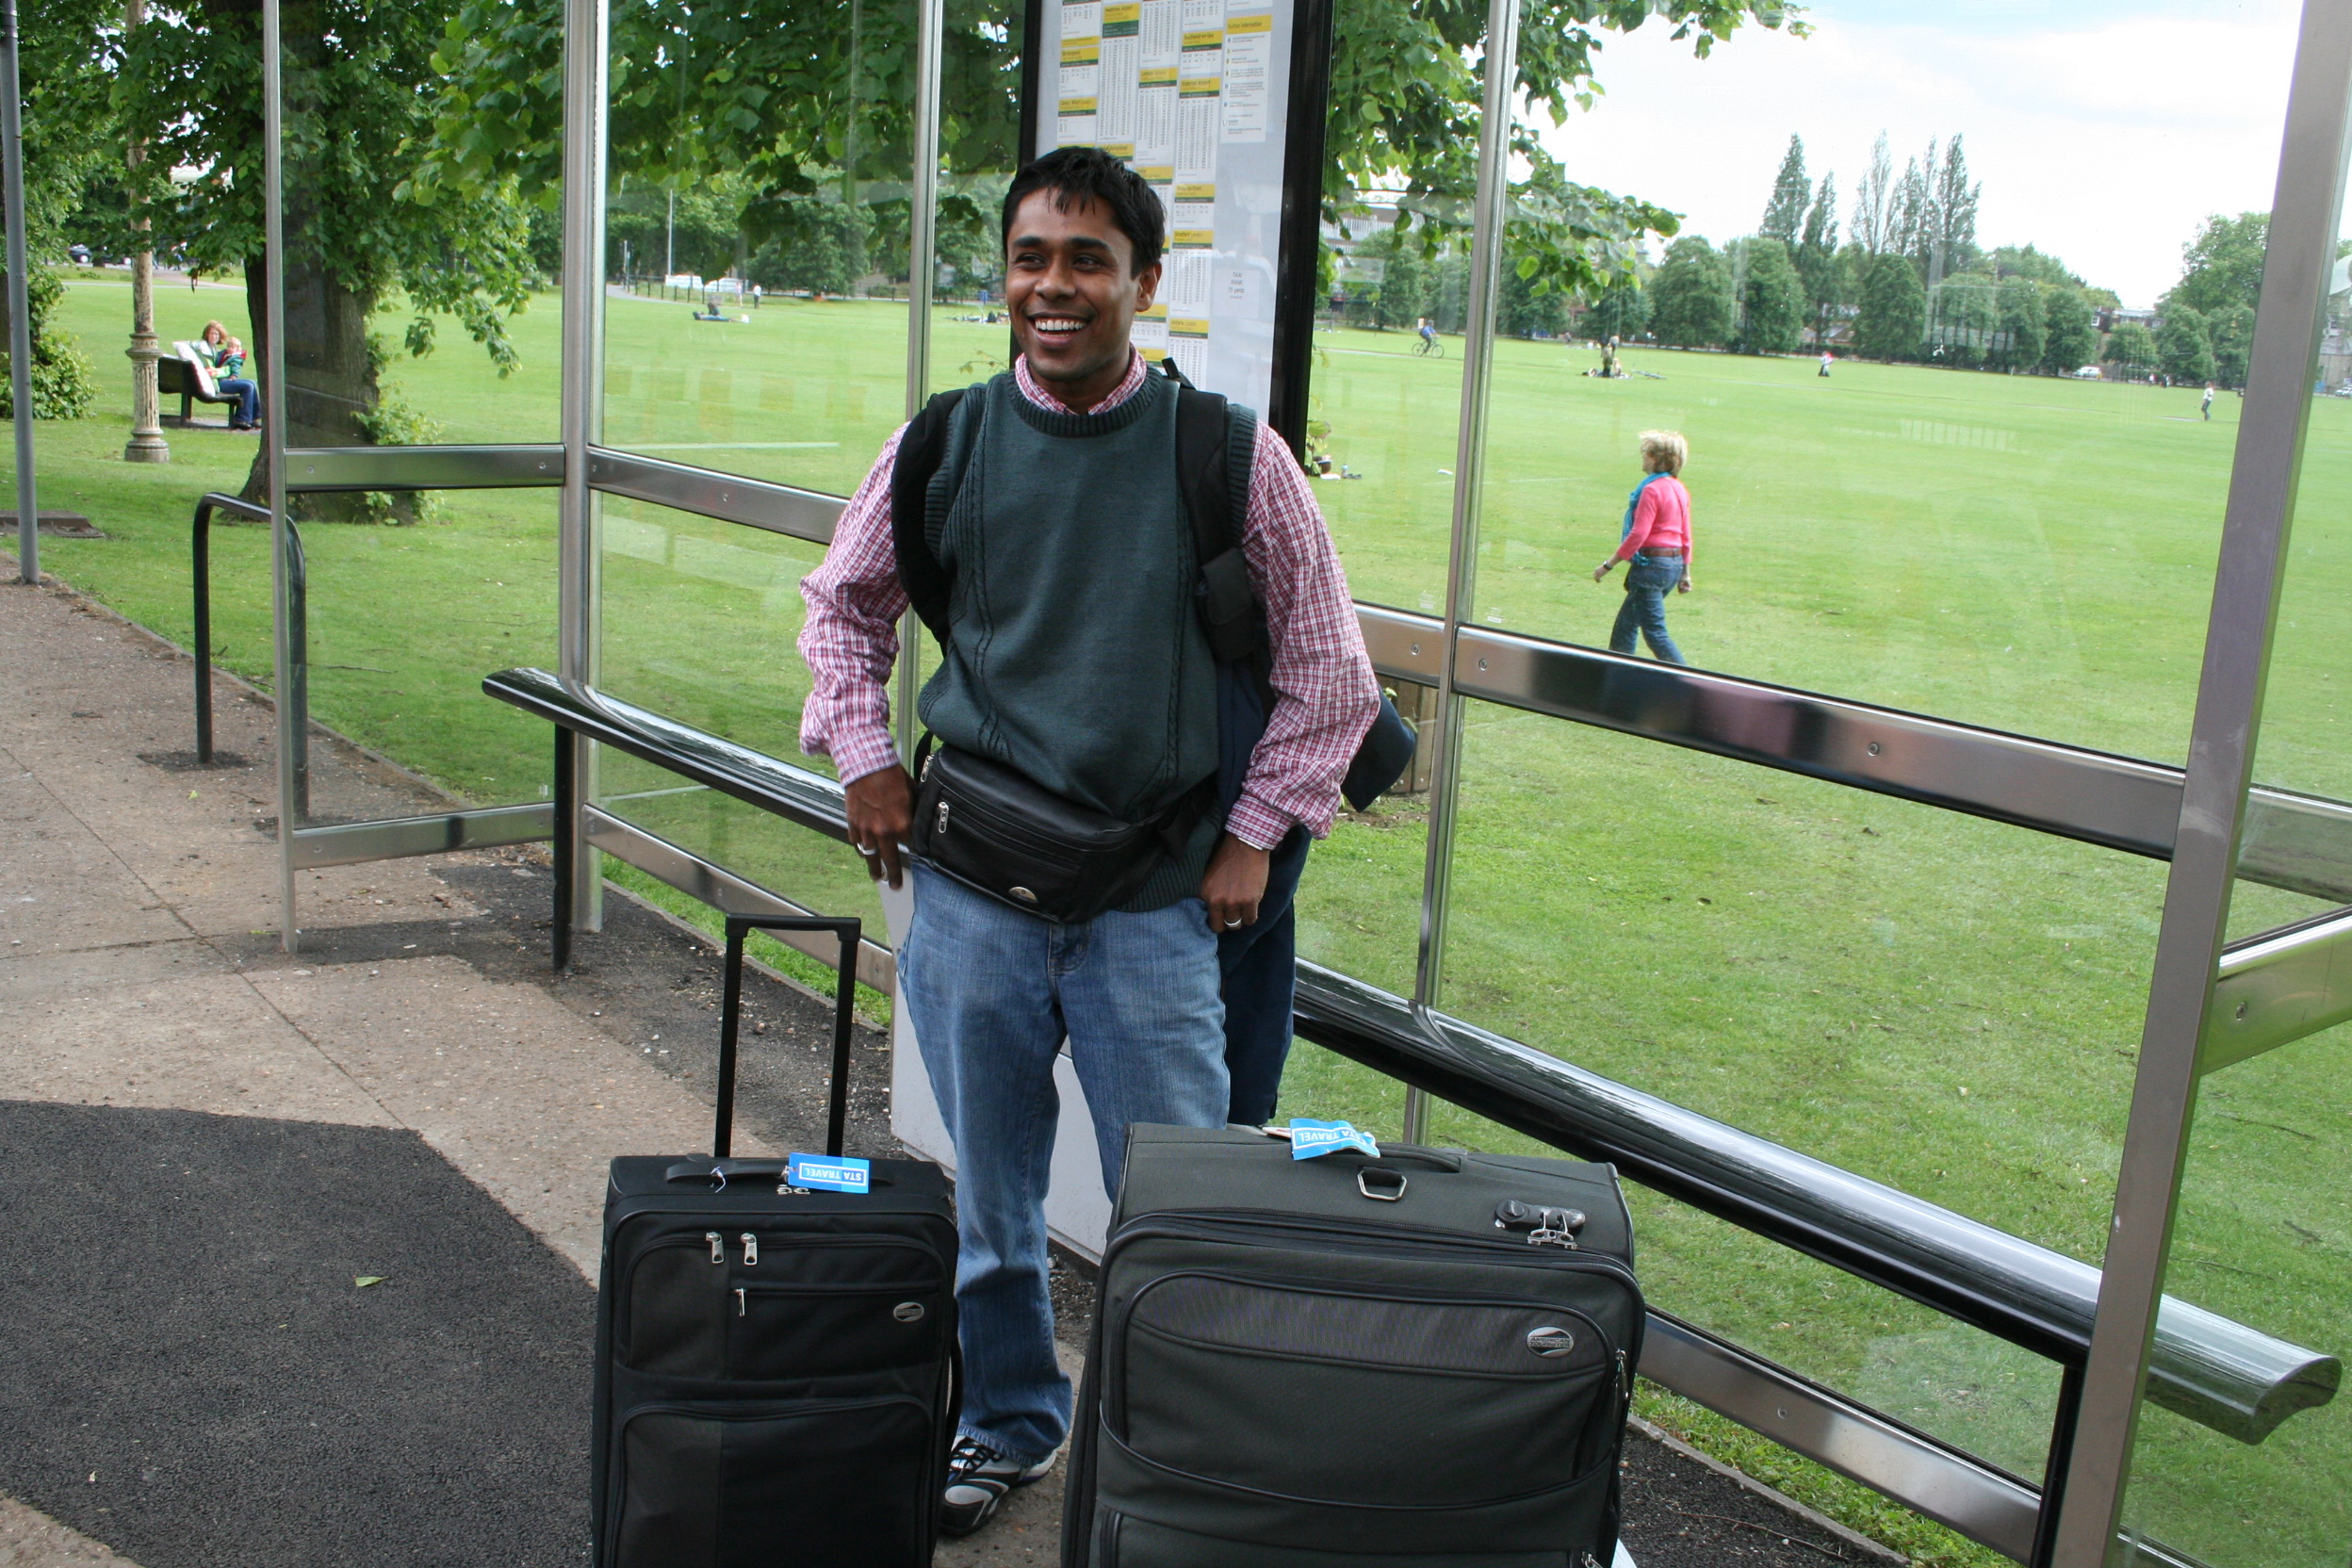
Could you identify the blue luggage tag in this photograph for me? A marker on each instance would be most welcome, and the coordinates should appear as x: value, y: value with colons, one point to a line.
x: 1311, y: 1138
x: 828, y: 1173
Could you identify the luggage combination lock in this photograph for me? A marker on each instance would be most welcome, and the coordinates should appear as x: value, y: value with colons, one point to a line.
x: 1545, y: 1226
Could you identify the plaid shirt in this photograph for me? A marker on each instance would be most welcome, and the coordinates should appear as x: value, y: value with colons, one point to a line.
x: 1326, y: 695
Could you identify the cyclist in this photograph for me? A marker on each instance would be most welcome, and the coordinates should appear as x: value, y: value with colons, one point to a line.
x: 1429, y: 335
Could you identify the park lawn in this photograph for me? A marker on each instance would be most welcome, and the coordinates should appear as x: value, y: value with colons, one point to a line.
x: 1946, y: 1004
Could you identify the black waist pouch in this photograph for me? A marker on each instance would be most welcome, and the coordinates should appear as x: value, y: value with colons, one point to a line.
x: 992, y: 829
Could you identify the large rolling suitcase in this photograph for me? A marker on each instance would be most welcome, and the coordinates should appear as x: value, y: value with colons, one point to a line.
x: 776, y: 1365
x: 1419, y: 1361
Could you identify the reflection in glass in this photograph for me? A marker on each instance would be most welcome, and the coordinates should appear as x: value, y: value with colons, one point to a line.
x: 756, y: 235
x: 405, y: 622
x: 2263, y: 1232
x: 700, y: 622
x: 1938, y: 1003
x: 418, y: 273
x: 1982, y: 510
x: 979, y: 151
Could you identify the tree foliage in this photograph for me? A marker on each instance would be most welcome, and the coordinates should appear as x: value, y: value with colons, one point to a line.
x: 1792, y: 193
x: 1893, y: 309
x: 1772, y: 306
x: 2131, y: 349
x: 2070, y: 331
x: 2023, y: 325
x: 2231, y: 329
x: 64, y: 386
x: 2223, y: 265
x: 2184, y: 347
x: 1873, y: 226
x: 1622, y: 313
x: 1690, y: 299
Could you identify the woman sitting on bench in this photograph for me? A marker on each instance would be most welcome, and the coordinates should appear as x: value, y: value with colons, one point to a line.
x: 225, y: 357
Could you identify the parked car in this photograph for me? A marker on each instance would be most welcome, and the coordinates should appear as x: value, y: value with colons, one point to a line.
x: 2088, y: 372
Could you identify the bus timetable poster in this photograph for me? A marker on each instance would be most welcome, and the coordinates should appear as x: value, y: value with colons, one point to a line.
x: 1193, y: 95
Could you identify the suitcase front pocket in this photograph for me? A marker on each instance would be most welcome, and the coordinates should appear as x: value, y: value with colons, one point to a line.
x: 788, y: 1331
x: 842, y: 1484
x: 1354, y: 1401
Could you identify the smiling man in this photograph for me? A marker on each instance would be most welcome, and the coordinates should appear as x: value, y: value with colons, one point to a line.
x: 1074, y: 656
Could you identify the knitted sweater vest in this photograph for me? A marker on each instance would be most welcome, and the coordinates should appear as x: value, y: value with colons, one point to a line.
x: 1075, y: 652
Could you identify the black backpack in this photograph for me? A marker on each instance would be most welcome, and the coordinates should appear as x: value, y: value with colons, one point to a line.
x: 1215, y: 441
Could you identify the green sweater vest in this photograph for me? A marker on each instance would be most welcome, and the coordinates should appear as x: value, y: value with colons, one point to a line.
x: 1075, y: 652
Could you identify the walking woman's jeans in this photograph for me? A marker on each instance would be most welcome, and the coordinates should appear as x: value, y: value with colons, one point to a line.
x: 991, y: 992
x: 1648, y: 581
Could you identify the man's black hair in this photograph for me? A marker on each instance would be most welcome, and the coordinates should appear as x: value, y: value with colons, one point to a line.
x: 1076, y: 175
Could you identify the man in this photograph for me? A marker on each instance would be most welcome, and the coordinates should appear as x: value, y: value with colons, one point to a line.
x: 1074, y: 654
x: 2206, y: 408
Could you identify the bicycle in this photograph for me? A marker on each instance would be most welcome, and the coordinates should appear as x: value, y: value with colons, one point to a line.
x: 1429, y: 347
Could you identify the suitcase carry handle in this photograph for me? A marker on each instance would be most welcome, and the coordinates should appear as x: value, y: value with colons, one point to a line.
x: 724, y: 1171
x: 730, y: 1017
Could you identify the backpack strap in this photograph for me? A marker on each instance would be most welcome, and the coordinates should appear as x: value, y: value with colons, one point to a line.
x: 920, y: 451
x: 1215, y: 442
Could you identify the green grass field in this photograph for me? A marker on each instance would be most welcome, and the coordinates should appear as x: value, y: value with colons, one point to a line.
x: 1943, y: 1003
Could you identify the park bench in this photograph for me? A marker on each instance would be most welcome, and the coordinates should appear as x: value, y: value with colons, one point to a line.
x: 2223, y: 1375
x: 176, y: 374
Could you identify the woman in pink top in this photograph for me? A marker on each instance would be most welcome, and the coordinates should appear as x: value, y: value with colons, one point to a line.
x: 1658, y: 542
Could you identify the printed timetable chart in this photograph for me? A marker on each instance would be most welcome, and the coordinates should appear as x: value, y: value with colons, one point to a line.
x: 1194, y: 96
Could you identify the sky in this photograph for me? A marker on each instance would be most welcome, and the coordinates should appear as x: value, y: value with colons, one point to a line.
x: 2102, y: 130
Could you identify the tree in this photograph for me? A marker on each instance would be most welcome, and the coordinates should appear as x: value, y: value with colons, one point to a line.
x: 1893, y: 309
x: 63, y: 384
x: 2023, y: 325
x: 1962, y: 315
x: 1875, y: 203
x: 1784, y: 214
x: 1910, y: 217
x: 359, y: 83
x: 1771, y: 300
x: 820, y: 245
x: 2024, y: 261
x: 1816, y: 257
x: 1949, y: 220
x: 1622, y: 313
x: 2231, y: 329
x: 1690, y: 299
x: 2223, y: 265
x: 1403, y: 295
x: 2184, y: 347
x: 2070, y: 331
x: 2131, y: 349
x: 1521, y: 312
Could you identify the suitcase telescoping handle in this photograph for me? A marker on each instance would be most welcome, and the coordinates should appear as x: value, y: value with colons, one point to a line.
x: 730, y: 1019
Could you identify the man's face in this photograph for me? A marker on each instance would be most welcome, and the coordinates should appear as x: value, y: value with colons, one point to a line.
x: 1073, y: 293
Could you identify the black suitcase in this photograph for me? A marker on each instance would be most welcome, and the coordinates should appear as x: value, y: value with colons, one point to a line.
x: 1422, y: 1361
x: 776, y: 1368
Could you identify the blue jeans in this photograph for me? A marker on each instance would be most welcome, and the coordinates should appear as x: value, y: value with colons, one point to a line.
x: 1648, y: 581
x: 992, y: 992
x: 248, y: 398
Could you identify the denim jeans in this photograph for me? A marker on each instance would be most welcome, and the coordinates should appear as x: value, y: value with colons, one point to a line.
x: 1648, y: 579
x: 248, y: 398
x: 992, y: 992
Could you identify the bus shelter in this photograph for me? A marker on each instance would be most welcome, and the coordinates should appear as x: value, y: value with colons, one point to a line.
x: 1963, y: 1007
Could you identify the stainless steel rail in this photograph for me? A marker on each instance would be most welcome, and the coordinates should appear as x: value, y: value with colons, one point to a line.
x: 2215, y: 1371
x: 730, y: 498
x: 2221, y: 1374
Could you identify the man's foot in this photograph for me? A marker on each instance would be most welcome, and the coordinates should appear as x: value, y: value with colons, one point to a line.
x: 979, y: 1478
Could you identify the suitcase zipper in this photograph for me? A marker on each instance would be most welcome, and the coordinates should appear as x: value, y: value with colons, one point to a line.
x: 718, y: 1246
x: 751, y: 1250
x: 1214, y: 1226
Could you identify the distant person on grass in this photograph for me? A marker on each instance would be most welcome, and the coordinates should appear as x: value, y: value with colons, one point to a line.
x: 1658, y: 542
x: 1827, y: 360
x: 2205, y: 407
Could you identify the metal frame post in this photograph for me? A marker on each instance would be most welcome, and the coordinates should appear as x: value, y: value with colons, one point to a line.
x: 921, y: 278
x: 285, y: 655
x: 1493, y: 196
x: 19, y: 301
x: 146, y: 443
x: 2262, y: 482
x: 579, y: 557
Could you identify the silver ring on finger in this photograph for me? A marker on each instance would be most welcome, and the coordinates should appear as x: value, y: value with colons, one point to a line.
x: 1232, y: 924
x: 869, y: 854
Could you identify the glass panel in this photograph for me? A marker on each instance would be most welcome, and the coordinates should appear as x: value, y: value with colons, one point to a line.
x: 1944, y: 1004
x: 2262, y: 1230
x: 1956, y: 519
x: 405, y: 622
x: 979, y: 150
x: 700, y: 618
x: 420, y: 270
x: 756, y: 235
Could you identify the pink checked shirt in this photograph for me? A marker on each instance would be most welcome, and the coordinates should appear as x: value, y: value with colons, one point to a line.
x: 1326, y: 695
